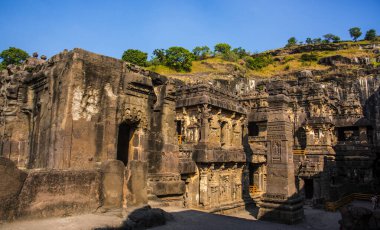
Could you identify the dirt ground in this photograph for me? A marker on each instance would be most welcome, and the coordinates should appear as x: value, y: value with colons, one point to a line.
x: 184, y: 219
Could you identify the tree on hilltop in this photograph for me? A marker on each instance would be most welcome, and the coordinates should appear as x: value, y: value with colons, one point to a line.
x: 291, y: 42
x: 179, y: 58
x: 355, y: 33
x: 201, y: 52
x: 309, y: 41
x: 240, y: 52
x: 317, y: 40
x: 159, y: 57
x: 370, y: 35
x: 222, y: 48
x: 331, y: 38
x: 136, y: 57
x: 12, y: 55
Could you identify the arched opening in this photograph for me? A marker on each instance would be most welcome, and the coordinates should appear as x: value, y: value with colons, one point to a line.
x: 124, y: 140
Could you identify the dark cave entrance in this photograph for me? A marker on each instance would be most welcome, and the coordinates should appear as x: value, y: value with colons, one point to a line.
x: 124, y: 141
x: 309, y: 188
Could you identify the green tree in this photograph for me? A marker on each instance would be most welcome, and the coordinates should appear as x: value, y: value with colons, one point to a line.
x: 355, y: 33
x: 159, y: 56
x: 309, y: 41
x: 317, y: 40
x: 240, y: 52
x: 336, y: 39
x: 370, y: 35
x: 329, y: 37
x: 136, y: 57
x: 222, y: 48
x: 179, y: 58
x: 291, y: 42
x: 201, y: 52
x: 12, y: 56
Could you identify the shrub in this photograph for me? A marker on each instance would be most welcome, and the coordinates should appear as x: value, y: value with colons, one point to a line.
x: 309, y: 57
x: 230, y: 56
x: 240, y: 52
x: 258, y: 62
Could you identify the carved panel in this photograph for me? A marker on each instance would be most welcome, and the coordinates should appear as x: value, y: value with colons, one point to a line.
x: 276, y: 150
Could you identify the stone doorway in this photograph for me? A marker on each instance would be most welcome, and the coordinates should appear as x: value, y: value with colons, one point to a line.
x: 124, y: 141
x: 309, y: 189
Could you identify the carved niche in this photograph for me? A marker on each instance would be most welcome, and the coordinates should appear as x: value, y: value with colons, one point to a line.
x: 276, y: 150
x: 132, y: 114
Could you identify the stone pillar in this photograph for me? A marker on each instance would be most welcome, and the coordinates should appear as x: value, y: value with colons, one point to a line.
x: 281, y: 202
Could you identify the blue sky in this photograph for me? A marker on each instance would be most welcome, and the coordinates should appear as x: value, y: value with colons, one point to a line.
x: 111, y: 26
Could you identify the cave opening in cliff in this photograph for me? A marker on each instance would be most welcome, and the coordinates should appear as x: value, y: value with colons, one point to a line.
x: 124, y: 141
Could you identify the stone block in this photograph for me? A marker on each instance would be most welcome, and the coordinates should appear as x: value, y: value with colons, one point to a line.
x: 60, y: 192
x: 164, y: 188
x: 11, y: 182
x: 113, y: 179
x: 135, y: 181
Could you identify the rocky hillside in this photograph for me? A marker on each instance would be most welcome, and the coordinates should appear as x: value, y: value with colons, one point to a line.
x: 333, y: 59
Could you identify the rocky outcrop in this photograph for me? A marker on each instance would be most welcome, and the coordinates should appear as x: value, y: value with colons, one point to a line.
x: 341, y: 60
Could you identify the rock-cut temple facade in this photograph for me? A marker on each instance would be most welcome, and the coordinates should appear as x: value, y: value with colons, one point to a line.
x: 82, y: 131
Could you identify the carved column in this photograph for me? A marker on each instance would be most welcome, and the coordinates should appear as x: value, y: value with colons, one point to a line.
x: 280, y: 202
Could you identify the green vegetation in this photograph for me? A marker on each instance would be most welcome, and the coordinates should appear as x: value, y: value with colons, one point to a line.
x: 355, y: 33
x: 179, y: 58
x: 331, y: 38
x: 258, y: 62
x: 201, y: 52
x: 309, y: 57
x: 240, y: 52
x: 222, y: 48
x: 291, y: 42
x: 13, y: 56
x: 136, y: 57
x: 223, y: 60
x: 370, y: 35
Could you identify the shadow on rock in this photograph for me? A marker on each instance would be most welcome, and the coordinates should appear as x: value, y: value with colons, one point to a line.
x: 143, y: 218
x: 359, y: 218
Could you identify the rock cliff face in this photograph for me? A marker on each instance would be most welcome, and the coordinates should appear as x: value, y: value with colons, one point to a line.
x: 112, y: 134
